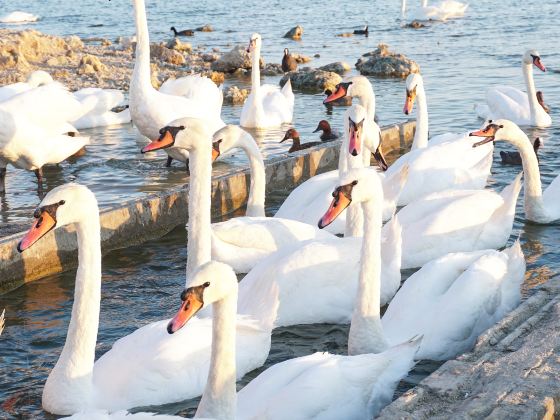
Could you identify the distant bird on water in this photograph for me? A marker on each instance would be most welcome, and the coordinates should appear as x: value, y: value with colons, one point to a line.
x: 328, y: 134
x: 186, y: 32
x: 296, y: 144
x: 364, y: 31
x: 289, y: 63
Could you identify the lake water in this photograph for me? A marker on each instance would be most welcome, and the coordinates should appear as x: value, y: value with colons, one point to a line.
x: 459, y: 60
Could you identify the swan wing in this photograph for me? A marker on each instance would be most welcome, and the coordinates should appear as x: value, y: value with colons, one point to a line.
x: 551, y: 199
x: 197, y: 88
x: 326, y: 386
x: 104, y: 119
x: 102, y: 100
x: 508, y: 102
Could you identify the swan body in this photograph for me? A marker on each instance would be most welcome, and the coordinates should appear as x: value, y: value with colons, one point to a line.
x: 19, y: 17
x: 456, y: 221
x: 150, y: 109
x: 447, y: 161
x: 242, y: 242
x: 442, y: 11
x: 267, y: 105
x: 100, y: 102
x: 448, y: 302
x: 34, y: 79
x: 540, y: 206
x: 33, y: 127
x: 453, y: 299
x: 506, y: 102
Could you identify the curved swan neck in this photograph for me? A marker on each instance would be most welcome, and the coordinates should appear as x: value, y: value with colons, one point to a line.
x: 531, y: 90
x: 200, y: 190
x: 219, y: 397
x: 255, y: 70
x: 257, y: 189
x: 74, y: 368
x: 422, y: 124
x: 366, y: 333
x: 142, y: 74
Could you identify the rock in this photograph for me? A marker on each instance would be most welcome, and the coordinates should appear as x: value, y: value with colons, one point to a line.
x: 205, y: 28
x: 235, y: 96
x: 383, y: 62
x: 300, y: 58
x: 177, y: 45
x: 90, y: 64
x: 105, y: 42
x: 312, y: 80
x: 237, y: 58
x: 216, y: 76
x: 339, y: 67
x: 60, y: 60
x: 162, y: 53
x: 272, y: 69
x: 415, y: 25
x: 210, y: 57
x: 74, y: 43
x: 294, y: 33
x: 317, y: 55
x: 126, y: 42
x: 10, y: 57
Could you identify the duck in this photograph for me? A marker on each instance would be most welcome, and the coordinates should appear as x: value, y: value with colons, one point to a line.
x: 34, y: 130
x: 364, y: 31
x: 34, y: 79
x: 289, y: 63
x: 506, y: 102
x: 242, y: 242
x: 306, y: 202
x: 446, y: 161
x: 474, y: 290
x: 542, y: 207
x: 186, y: 32
x: 148, y: 366
x: 328, y: 134
x: 540, y: 99
x: 266, y: 106
x: 151, y: 109
x: 361, y: 88
x: 353, y: 386
x: 296, y: 146
x: 514, y: 158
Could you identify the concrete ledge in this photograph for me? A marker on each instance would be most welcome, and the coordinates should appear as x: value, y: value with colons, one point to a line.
x: 153, y: 216
x: 512, y: 373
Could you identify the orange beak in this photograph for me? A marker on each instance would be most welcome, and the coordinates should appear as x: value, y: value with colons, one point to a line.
x: 44, y: 224
x: 488, y: 132
x: 355, y: 143
x: 190, y: 306
x: 339, y: 93
x: 538, y: 63
x: 164, y: 141
x: 338, y: 205
x: 408, y: 105
x: 215, y: 154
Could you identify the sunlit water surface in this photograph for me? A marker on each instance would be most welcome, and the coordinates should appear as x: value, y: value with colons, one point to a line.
x: 459, y: 59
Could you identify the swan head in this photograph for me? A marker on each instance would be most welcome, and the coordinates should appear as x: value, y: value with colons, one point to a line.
x: 355, y: 118
x: 228, y: 138
x: 533, y: 57
x: 412, y: 82
x: 39, y: 78
x: 184, y: 133
x: 291, y: 134
x: 323, y: 126
x: 64, y: 205
x: 356, y: 185
x: 254, y: 43
x: 341, y: 90
x: 495, y: 130
x: 209, y: 283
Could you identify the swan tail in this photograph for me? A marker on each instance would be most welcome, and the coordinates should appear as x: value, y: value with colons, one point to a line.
x: 288, y: 93
x: 516, y: 267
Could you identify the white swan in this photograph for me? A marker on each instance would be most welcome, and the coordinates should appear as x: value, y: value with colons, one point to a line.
x: 442, y: 11
x: 244, y: 241
x: 34, y: 79
x: 213, y: 284
x: 456, y: 221
x: 450, y: 162
x: 151, y: 109
x: 100, y: 102
x: 34, y: 127
x: 306, y: 203
x: 18, y: 17
x: 540, y: 207
x: 149, y: 366
x: 267, y: 105
x: 506, y: 102
x: 449, y: 301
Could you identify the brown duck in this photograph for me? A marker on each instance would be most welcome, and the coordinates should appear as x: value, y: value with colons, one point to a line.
x: 186, y: 32
x: 289, y: 63
x: 328, y: 134
x: 514, y: 158
x: 296, y: 145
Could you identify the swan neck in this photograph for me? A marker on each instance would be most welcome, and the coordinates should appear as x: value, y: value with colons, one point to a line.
x: 531, y: 90
x: 531, y: 174
x: 255, y: 70
x: 257, y: 189
x: 199, y: 217
x: 219, y: 397
x: 422, y: 124
x: 141, y: 76
x: 74, y: 368
x: 354, y: 221
x: 366, y: 333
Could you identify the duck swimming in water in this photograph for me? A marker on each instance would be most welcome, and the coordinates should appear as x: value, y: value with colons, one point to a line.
x: 289, y: 63
x: 328, y: 134
x: 186, y: 32
x: 514, y: 158
x: 293, y: 134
